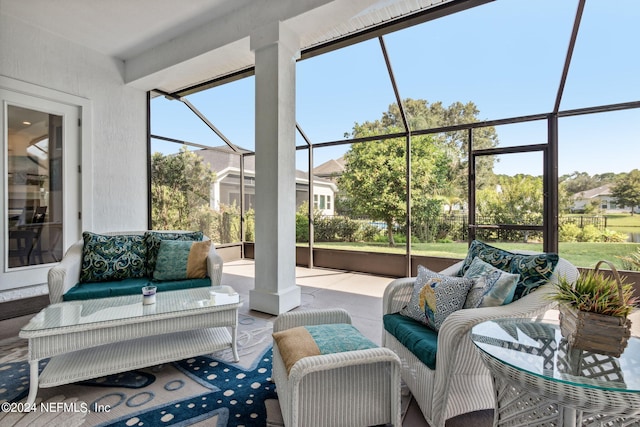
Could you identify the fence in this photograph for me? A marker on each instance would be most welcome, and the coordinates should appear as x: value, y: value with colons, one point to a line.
x: 455, y: 227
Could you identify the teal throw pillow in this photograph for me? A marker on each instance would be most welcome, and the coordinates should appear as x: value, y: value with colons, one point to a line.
x: 534, y: 270
x: 492, y: 286
x: 435, y: 297
x: 154, y: 238
x: 107, y: 258
x: 180, y: 259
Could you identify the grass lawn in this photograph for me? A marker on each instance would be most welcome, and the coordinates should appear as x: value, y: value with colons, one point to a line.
x: 579, y: 254
x: 624, y: 223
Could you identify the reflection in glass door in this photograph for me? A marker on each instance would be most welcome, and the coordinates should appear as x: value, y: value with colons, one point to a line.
x: 34, y: 200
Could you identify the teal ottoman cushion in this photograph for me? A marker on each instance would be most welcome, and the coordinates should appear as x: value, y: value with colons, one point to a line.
x: 415, y: 336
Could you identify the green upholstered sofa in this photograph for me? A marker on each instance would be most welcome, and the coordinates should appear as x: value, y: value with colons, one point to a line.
x: 64, y: 280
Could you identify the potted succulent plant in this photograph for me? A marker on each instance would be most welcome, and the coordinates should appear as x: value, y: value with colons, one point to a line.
x: 594, y: 310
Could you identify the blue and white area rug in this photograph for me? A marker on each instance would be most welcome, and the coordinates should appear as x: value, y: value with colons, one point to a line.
x: 205, y: 390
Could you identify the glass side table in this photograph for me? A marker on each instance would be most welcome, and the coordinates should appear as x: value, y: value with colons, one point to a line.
x: 540, y: 381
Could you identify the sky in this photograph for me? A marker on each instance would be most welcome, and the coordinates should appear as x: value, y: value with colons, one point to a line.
x: 506, y: 57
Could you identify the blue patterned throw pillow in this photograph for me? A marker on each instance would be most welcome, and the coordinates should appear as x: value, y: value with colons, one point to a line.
x: 435, y: 297
x: 106, y: 258
x: 492, y: 286
x: 154, y: 238
x: 182, y: 259
x: 534, y: 270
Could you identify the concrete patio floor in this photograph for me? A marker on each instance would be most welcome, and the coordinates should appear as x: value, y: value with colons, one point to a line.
x: 360, y: 294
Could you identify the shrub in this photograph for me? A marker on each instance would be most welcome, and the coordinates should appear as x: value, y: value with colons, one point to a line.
x: 367, y: 232
x: 402, y: 239
x: 346, y: 228
x: 569, y: 232
x: 229, y: 223
x: 250, y: 225
x: 335, y: 229
x: 590, y: 233
x: 613, y: 236
x: 381, y: 238
x: 322, y: 230
x: 302, y: 227
x: 399, y: 238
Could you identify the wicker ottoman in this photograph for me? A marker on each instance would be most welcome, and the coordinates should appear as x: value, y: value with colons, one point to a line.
x: 347, y: 388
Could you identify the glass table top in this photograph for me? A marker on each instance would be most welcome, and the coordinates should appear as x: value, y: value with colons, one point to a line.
x: 78, y: 313
x: 539, y: 349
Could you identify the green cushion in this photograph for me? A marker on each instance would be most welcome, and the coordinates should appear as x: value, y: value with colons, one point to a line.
x: 416, y: 337
x: 534, y: 270
x: 179, y: 260
x: 153, y: 239
x: 338, y: 337
x: 83, y: 291
x: 107, y: 258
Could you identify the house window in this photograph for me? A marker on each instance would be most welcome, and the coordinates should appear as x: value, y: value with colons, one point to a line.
x: 321, y: 202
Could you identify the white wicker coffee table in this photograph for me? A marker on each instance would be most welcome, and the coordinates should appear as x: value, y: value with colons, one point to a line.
x: 539, y: 380
x: 92, y: 338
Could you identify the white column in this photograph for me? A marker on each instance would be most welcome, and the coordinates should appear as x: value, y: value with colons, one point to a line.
x: 276, y: 50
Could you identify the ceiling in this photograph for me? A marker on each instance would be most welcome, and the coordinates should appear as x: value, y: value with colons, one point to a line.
x: 171, y: 45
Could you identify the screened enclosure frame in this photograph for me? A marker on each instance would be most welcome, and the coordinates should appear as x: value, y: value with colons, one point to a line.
x: 549, y: 149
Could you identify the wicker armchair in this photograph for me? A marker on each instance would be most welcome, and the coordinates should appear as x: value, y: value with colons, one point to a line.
x: 460, y: 383
x: 66, y: 274
x: 349, y: 389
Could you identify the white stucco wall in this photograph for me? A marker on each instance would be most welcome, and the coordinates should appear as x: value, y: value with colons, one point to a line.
x: 118, y: 128
x: 117, y: 166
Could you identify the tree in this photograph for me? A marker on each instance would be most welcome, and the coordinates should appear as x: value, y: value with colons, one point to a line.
x: 374, y: 181
x: 626, y: 190
x: 180, y: 188
x: 515, y: 200
x: 578, y: 182
x: 422, y: 115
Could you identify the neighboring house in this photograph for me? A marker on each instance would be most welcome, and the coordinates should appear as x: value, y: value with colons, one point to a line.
x: 606, y: 202
x: 226, y: 189
x: 330, y: 170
